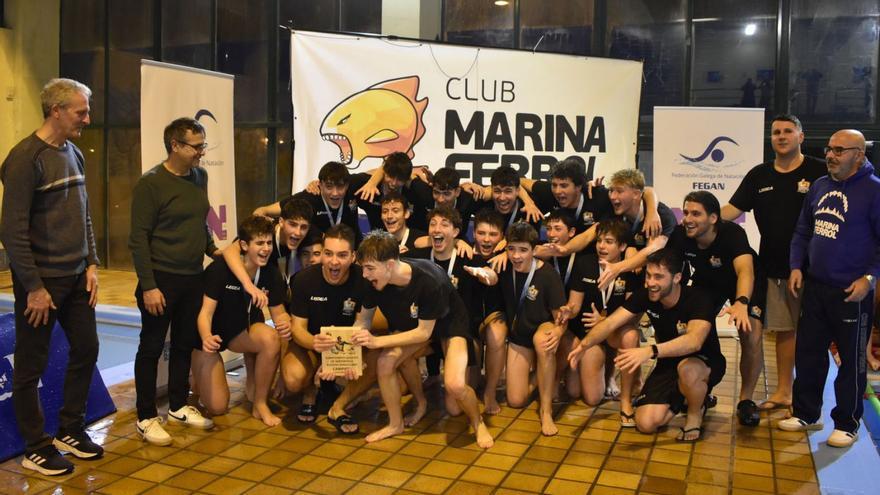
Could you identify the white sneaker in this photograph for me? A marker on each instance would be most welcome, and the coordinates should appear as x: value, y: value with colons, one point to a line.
x: 151, y: 430
x: 842, y: 439
x: 797, y: 424
x: 190, y: 416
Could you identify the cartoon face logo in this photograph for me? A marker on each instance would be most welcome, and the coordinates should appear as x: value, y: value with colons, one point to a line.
x: 532, y: 293
x: 803, y: 186
x: 378, y: 121
x: 717, y: 154
x: 414, y: 311
x: 833, y: 203
x: 681, y: 327
x: 715, y: 261
x: 587, y: 217
x: 348, y: 307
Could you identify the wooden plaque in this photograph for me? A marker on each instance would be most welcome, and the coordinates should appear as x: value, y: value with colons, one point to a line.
x: 344, y: 355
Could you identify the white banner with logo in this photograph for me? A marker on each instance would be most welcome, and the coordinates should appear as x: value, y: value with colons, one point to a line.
x: 357, y: 99
x: 712, y: 149
x: 172, y: 91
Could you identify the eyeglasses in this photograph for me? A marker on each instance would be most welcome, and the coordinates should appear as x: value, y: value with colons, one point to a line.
x: 197, y: 147
x: 839, y: 150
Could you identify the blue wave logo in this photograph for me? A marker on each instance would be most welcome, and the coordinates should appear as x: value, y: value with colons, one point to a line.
x: 714, y: 156
x: 716, y: 153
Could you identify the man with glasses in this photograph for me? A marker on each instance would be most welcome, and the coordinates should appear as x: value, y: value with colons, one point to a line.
x: 775, y: 191
x: 839, y: 232
x: 169, y: 239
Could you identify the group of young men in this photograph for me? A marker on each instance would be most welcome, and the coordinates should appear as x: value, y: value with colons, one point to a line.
x: 454, y: 273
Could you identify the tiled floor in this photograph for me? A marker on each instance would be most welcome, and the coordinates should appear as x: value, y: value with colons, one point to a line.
x: 591, y: 454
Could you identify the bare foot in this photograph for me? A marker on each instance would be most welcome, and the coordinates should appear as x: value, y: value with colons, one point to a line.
x: 388, y: 431
x: 417, y: 415
x: 490, y: 405
x: 484, y: 438
x: 548, y: 427
x: 263, y: 413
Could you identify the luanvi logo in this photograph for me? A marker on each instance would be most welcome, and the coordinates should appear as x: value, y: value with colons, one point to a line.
x: 717, y: 154
x: 380, y: 120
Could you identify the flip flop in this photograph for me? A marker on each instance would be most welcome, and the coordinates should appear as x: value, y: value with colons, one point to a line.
x: 627, y: 420
x: 344, y: 420
x: 769, y: 405
x: 308, y: 412
x: 682, y: 433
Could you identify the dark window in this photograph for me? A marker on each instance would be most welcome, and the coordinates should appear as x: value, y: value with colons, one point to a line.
x: 83, y: 49
x: 131, y: 39
x: 480, y: 23
x: 243, y: 50
x: 186, y: 33
x: 652, y: 31
x: 565, y: 28
x: 833, y: 68
x: 734, y: 53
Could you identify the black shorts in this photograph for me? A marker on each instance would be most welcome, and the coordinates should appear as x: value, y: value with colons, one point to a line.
x: 227, y: 335
x: 522, y: 340
x: 456, y: 323
x: 661, y: 387
x: 758, y: 301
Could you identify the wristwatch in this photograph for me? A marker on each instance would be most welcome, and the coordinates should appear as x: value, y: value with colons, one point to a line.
x: 742, y: 299
x: 871, y: 280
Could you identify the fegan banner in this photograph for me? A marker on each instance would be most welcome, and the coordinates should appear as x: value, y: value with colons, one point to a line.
x: 357, y: 99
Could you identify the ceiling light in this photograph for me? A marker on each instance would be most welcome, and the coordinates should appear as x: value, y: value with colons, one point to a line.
x: 751, y: 28
x: 501, y: 3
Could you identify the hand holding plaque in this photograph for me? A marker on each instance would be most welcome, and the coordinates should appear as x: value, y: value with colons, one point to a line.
x: 344, y: 355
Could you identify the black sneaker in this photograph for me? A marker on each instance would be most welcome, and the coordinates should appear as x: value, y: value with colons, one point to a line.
x: 47, y: 461
x: 747, y: 412
x: 78, y: 444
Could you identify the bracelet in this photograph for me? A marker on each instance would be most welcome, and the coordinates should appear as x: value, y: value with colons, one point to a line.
x: 654, y: 351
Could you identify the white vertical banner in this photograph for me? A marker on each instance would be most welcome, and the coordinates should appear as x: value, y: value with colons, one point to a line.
x: 172, y: 91
x: 169, y: 92
x: 702, y: 148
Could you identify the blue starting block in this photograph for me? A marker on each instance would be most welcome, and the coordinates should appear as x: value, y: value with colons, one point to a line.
x: 98, y: 405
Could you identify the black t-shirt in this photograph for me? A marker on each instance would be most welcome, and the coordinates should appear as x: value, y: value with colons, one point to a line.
x: 776, y: 199
x: 693, y: 304
x: 544, y: 295
x: 410, y: 243
x: 638, y: 239
x: 231, y: 314
x: 586, y: 279
x: 426, y: 297
x: 593, y: 210
x: 324, y: 304
x: 468, y: 287
x: 324, y: 217
x: 373, y: 209
x: 712, y: 268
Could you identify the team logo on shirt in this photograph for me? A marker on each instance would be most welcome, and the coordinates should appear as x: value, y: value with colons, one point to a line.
x: 755, y: 312
x: 353, y: 205
x: 639, y: 238
x: 619, y: 286
x: 414, y: 311
x: 681, y: 327
x: 715, y: 261
x: 233, y: 287
x: 589, y: 280
x: 532, y: 293
x: 587, y: 217
x: 348, y: 307
x: 454, y: 280
x: 803, y: 186
x: 834, y: 205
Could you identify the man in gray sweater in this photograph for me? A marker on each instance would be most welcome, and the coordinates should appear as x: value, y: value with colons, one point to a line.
x: 47, y: 232
x: 169, y: 239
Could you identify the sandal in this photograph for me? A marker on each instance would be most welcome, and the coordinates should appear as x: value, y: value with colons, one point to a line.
x: 627, y: 420
x: 342, y: 421
x: 307, y: 414
x: 683, y: 433
x: 769, y: 405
